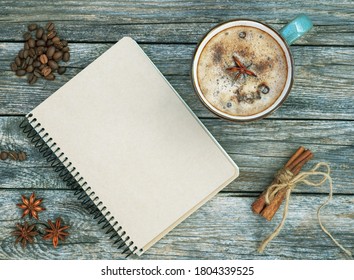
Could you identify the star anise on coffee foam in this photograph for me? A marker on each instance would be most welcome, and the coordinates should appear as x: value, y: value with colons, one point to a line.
x: 240, y: 69
x: 25, y: 233
x: 31, y: 206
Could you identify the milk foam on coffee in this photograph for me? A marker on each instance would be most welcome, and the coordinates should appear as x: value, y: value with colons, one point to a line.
x: 245, y: 95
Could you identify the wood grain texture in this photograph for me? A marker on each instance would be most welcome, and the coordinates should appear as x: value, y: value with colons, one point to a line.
x: 259, y: 149
x: 323, y: 87
x: 224, y: 228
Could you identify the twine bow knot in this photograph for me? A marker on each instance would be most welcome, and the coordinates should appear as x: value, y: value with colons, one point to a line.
x: 287, y: 181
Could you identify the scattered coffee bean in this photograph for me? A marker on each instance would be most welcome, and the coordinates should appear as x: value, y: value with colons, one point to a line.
x: 32, y: 27
x: 13, y: 155
x: 29, y: 69
x: 51, y: 34
x: 37, y: 73
x: 58, y: 56
x: 31, y: 43
x: 27, y: 36
x: 43, y: 59
x: 20, y: 53
x: 18, y: 61
x: 50, y: 77
x: 66, y: 57
x: 50, y: 26
x: 40, y: 43
x: 22, y: 156
x: 52, y: 64
x: 41, y: 54
x: 20, y: 72
x: 39, y: 33
x: 32, y: 52
x: 13, y: 66
x: 36, y: 64
x: 50, y: 51
x: 46, y: 71
x: 32, y: 79
x: 44, y: 37
x: 3, y: 155
x: 61, y: 70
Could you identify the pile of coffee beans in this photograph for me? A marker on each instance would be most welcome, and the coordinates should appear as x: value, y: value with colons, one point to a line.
x: 4, y: 155
x: 42, y: 52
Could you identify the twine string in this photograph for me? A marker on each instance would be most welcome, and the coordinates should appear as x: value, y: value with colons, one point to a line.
x: 286, y: 181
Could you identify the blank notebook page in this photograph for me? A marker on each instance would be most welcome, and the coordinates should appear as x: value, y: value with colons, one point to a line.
x: 136, y: 143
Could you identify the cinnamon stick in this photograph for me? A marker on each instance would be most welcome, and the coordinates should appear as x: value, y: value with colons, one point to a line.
x: 295, y: 163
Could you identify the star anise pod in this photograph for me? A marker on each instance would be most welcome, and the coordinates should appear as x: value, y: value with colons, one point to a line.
x: 240, y: 69
x: 55, y: 232
x: 25, y: 233
x: 31, y: 206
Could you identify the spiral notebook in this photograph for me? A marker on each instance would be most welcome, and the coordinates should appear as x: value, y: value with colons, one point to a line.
x: 131, y: 145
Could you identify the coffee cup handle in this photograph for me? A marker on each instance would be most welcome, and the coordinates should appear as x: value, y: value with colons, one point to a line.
x: 296, y: 28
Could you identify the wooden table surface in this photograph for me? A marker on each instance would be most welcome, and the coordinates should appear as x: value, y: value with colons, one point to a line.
x: 318, y: 114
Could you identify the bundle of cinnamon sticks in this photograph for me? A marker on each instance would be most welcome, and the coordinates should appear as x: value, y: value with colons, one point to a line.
x: 294, y: 165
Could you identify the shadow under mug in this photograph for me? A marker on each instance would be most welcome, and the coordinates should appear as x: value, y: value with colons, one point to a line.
x: 285, y: 37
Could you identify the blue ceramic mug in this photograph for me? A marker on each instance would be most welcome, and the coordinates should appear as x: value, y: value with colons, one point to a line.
x: 243, y: 70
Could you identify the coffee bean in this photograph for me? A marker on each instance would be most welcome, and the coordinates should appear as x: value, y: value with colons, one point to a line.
x: 32, y: 27
x: 43, y: 59
x: 22, y: 156
x: 13, y: 66
x: 65, y: 49
x: 13, y: 155
x: 51, y: 34
x: 41, y: 67
x: 32, y: 79
x: 61, y: 70
x: 52, y: 64
x: 26, y: 46
x: 50, y: 51
x: 50, y: 77
x: 29, y: 68
x: 58, y: 45
x: 40, y: 50
x: 32, y: 52
x: 56, y: 39
x: 27, y: 35
x: 31, y: 43
x: 64, y: 42
x: 21, y: 72
x: 25, y: 54
x: 50, y: 26
x: 46, y: 71
x: 18, y: 61
x: 20, y: 53
x: 57, y: 56
x: 3, y: 155
x: 39, y: 33
x: 49, y: 43
x: 28, y: 60
x: 44, y: 37
x: 37, y: 73
x: 40, y: 43
x: 23, y: 64
x: 66, y: 57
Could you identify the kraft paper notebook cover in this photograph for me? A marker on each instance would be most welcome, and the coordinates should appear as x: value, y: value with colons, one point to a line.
x: 128, y: 139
